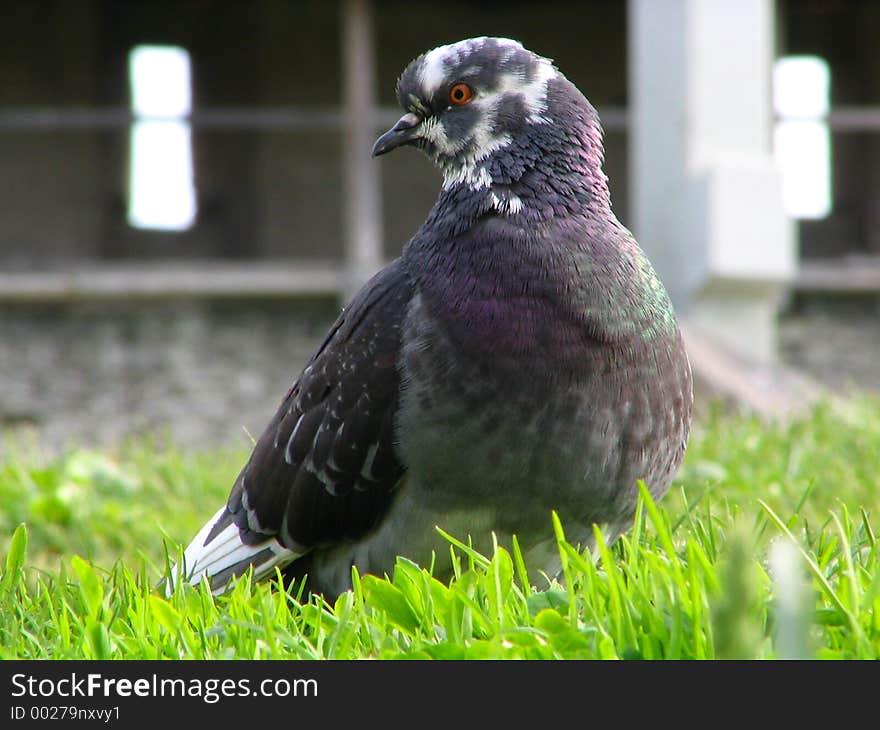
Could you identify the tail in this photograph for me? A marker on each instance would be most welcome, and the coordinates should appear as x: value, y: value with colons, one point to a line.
x: 217, y: 554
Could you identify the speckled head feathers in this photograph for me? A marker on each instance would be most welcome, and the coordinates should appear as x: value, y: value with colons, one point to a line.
x: 508, y: 85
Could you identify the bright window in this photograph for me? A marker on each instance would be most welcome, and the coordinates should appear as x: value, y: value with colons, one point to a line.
x: 802, y: 141
x: 162, y: 193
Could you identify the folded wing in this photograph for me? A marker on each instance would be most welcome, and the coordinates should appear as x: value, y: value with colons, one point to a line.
x: 325, y: 468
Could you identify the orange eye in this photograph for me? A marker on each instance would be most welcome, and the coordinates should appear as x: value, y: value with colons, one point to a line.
x: 460, y: 94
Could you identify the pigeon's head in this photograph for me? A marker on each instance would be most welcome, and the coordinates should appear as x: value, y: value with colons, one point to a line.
x: 467, y: 100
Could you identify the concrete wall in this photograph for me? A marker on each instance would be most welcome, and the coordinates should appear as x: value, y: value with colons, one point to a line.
x: 199, y: 372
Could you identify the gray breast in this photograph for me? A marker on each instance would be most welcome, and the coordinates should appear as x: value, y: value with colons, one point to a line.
x: 484, y: 434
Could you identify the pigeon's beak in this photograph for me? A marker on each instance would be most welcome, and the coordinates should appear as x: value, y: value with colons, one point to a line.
x: 401, y: 133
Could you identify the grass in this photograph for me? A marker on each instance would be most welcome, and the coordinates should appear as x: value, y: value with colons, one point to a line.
x: 765, y: 547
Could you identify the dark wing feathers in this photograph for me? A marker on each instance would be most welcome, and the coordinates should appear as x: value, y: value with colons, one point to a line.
x: 325, y: 468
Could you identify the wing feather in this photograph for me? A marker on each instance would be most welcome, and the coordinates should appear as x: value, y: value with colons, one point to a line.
x: 325, y: 468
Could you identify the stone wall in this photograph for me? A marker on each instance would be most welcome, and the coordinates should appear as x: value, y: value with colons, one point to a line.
x: 199, y: 372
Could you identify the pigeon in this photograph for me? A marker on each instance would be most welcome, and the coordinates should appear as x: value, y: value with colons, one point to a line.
x: 520, y: 357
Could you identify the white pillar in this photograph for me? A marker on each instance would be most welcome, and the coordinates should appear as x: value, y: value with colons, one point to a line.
x: 362, y: 188
x: 706, y: 195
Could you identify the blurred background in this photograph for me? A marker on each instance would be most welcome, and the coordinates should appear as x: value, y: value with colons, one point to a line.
x: 187, y: 196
